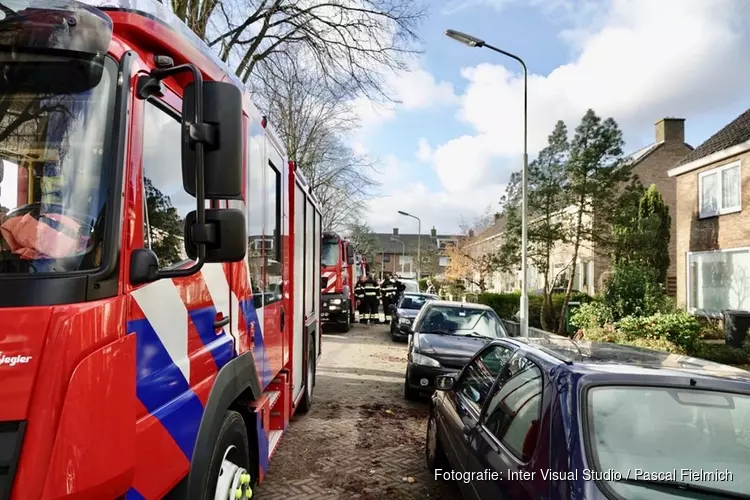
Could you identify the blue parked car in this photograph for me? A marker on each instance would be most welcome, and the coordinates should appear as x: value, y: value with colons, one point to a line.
x: 556, y: 419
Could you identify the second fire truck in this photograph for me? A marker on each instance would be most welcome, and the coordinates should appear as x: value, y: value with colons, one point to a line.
x: 341, y: 267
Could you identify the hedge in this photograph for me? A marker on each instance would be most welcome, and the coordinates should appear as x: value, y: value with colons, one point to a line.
x: 507, y: 305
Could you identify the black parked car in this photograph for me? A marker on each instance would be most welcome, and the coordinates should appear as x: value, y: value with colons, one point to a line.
x: 405, y: 311
x: 446, y: 336
x: 552, y: 418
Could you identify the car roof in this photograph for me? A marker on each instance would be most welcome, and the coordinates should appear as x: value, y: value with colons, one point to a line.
x: 582, y: 356
x: 419, y: 294
x: 461, y: 305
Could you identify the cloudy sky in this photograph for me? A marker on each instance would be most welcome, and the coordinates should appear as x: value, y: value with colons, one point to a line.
x: 449, y: 147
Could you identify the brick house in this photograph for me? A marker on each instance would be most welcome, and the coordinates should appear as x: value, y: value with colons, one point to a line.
x: 713, y: 241
x: 651, y: 165
x: 397, y: 253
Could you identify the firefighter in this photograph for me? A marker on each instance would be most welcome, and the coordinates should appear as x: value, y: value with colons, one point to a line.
x: 388, y: 293
x: 372, y: 292
x: 400, y: 288
x: 359, y: 296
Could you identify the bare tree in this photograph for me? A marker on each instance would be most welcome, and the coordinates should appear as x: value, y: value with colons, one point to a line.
x: 314, y: 122
x: 344, y: 40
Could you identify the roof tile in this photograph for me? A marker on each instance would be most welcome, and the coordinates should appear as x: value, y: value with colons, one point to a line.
x: 737, y: 132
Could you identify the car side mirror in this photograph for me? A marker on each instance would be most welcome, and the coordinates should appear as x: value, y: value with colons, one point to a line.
x: 222, y: 130
x: 228, y: 235
x: 392, y: 307
x: 445, y: 382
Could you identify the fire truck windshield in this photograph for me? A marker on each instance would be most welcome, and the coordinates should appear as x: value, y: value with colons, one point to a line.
x: 329, y: 252
x: 54, y: 151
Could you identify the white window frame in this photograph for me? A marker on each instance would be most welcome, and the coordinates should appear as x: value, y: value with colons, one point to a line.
x: 718, y: 171
x: 691, y: 307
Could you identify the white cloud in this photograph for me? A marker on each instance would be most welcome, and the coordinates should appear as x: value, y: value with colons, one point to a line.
x: 634, y: 60
x: 442, y: 210
x: 412, y: 90
x: 424, y: 150
x: 641, y: 61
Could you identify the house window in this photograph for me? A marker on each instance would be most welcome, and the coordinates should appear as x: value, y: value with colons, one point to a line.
x: 444, y: 261
x: 407, y: 260
x: 718, y: 280
x: 386, y: 257
x: 719, y: 191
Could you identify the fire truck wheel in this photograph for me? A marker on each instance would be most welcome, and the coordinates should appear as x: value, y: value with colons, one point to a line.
x: 230, y: 475
x: 347, y: 324
x: 306, y: 403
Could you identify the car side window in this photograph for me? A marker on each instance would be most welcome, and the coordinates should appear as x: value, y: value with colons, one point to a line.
x: 514, y: 411
x: 481, y: 372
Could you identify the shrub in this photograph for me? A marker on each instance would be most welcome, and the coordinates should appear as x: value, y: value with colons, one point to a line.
x: 609, y: 333
x: 725, y: 354
x: 591, y: 315
x: 679, y: 328
x: 633, y: 290
x: 507, y: 305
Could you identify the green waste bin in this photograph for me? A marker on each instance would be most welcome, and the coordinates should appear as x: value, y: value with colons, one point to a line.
x: 572, y: 306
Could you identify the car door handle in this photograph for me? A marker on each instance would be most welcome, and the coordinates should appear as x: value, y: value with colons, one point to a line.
x: 220, y: 323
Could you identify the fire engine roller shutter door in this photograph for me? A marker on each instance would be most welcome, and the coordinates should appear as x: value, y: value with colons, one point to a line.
x: 298, y: 233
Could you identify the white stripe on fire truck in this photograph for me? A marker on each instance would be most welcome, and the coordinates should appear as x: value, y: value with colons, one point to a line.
x: 164, y: 309
x: 218, y: 287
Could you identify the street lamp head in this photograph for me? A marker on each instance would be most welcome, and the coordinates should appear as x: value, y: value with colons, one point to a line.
x: 469, y: 40
x: 403, y: 213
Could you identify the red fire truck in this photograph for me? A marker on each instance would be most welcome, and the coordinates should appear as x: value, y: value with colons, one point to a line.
x: 341, y: 266
x: 159, y: 262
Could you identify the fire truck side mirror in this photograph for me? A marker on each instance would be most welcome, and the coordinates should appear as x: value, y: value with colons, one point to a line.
x: 229, y: 235
x: 349, y: 254
x: 222, y: 153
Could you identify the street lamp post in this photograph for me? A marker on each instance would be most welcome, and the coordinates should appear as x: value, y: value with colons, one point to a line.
x: 476, y: 42
x: 419, y: 242
x: 403, y: 251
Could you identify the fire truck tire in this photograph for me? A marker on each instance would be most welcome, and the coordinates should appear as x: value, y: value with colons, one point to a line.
x: 348, y: 323
x: 306, y: 403
x: 231, y: 456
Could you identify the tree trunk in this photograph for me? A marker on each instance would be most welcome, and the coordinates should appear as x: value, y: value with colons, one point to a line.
x: 547, y: 302
x: 569, y: 289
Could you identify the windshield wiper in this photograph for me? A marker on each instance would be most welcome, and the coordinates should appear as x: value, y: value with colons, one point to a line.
x: 478, y: 335
x: 683, y: 486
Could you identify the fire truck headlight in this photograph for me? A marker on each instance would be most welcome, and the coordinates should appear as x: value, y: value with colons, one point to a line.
x: 335, y: 301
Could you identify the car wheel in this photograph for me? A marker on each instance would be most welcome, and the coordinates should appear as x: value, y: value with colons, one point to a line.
x: 409, y: 393
x: 230, y: 474
x: 434, y: 454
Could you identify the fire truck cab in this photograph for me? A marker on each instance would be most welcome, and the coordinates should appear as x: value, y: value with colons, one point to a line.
x: 341, y: 267
x: 149, y: 347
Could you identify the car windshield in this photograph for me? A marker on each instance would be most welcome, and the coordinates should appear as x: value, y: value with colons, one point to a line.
x: 413, y: 302
x: 410, y: 286
x: 461, y: 321
x: 329, y: 253
x: 53, y: 153
x: 682, y: 435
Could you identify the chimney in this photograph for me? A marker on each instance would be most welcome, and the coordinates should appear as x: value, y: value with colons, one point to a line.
x: 497, y: 216
x: 670, y: 130
x: 433, y: 232
x: 395, y: 231
x: 471, y: 233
